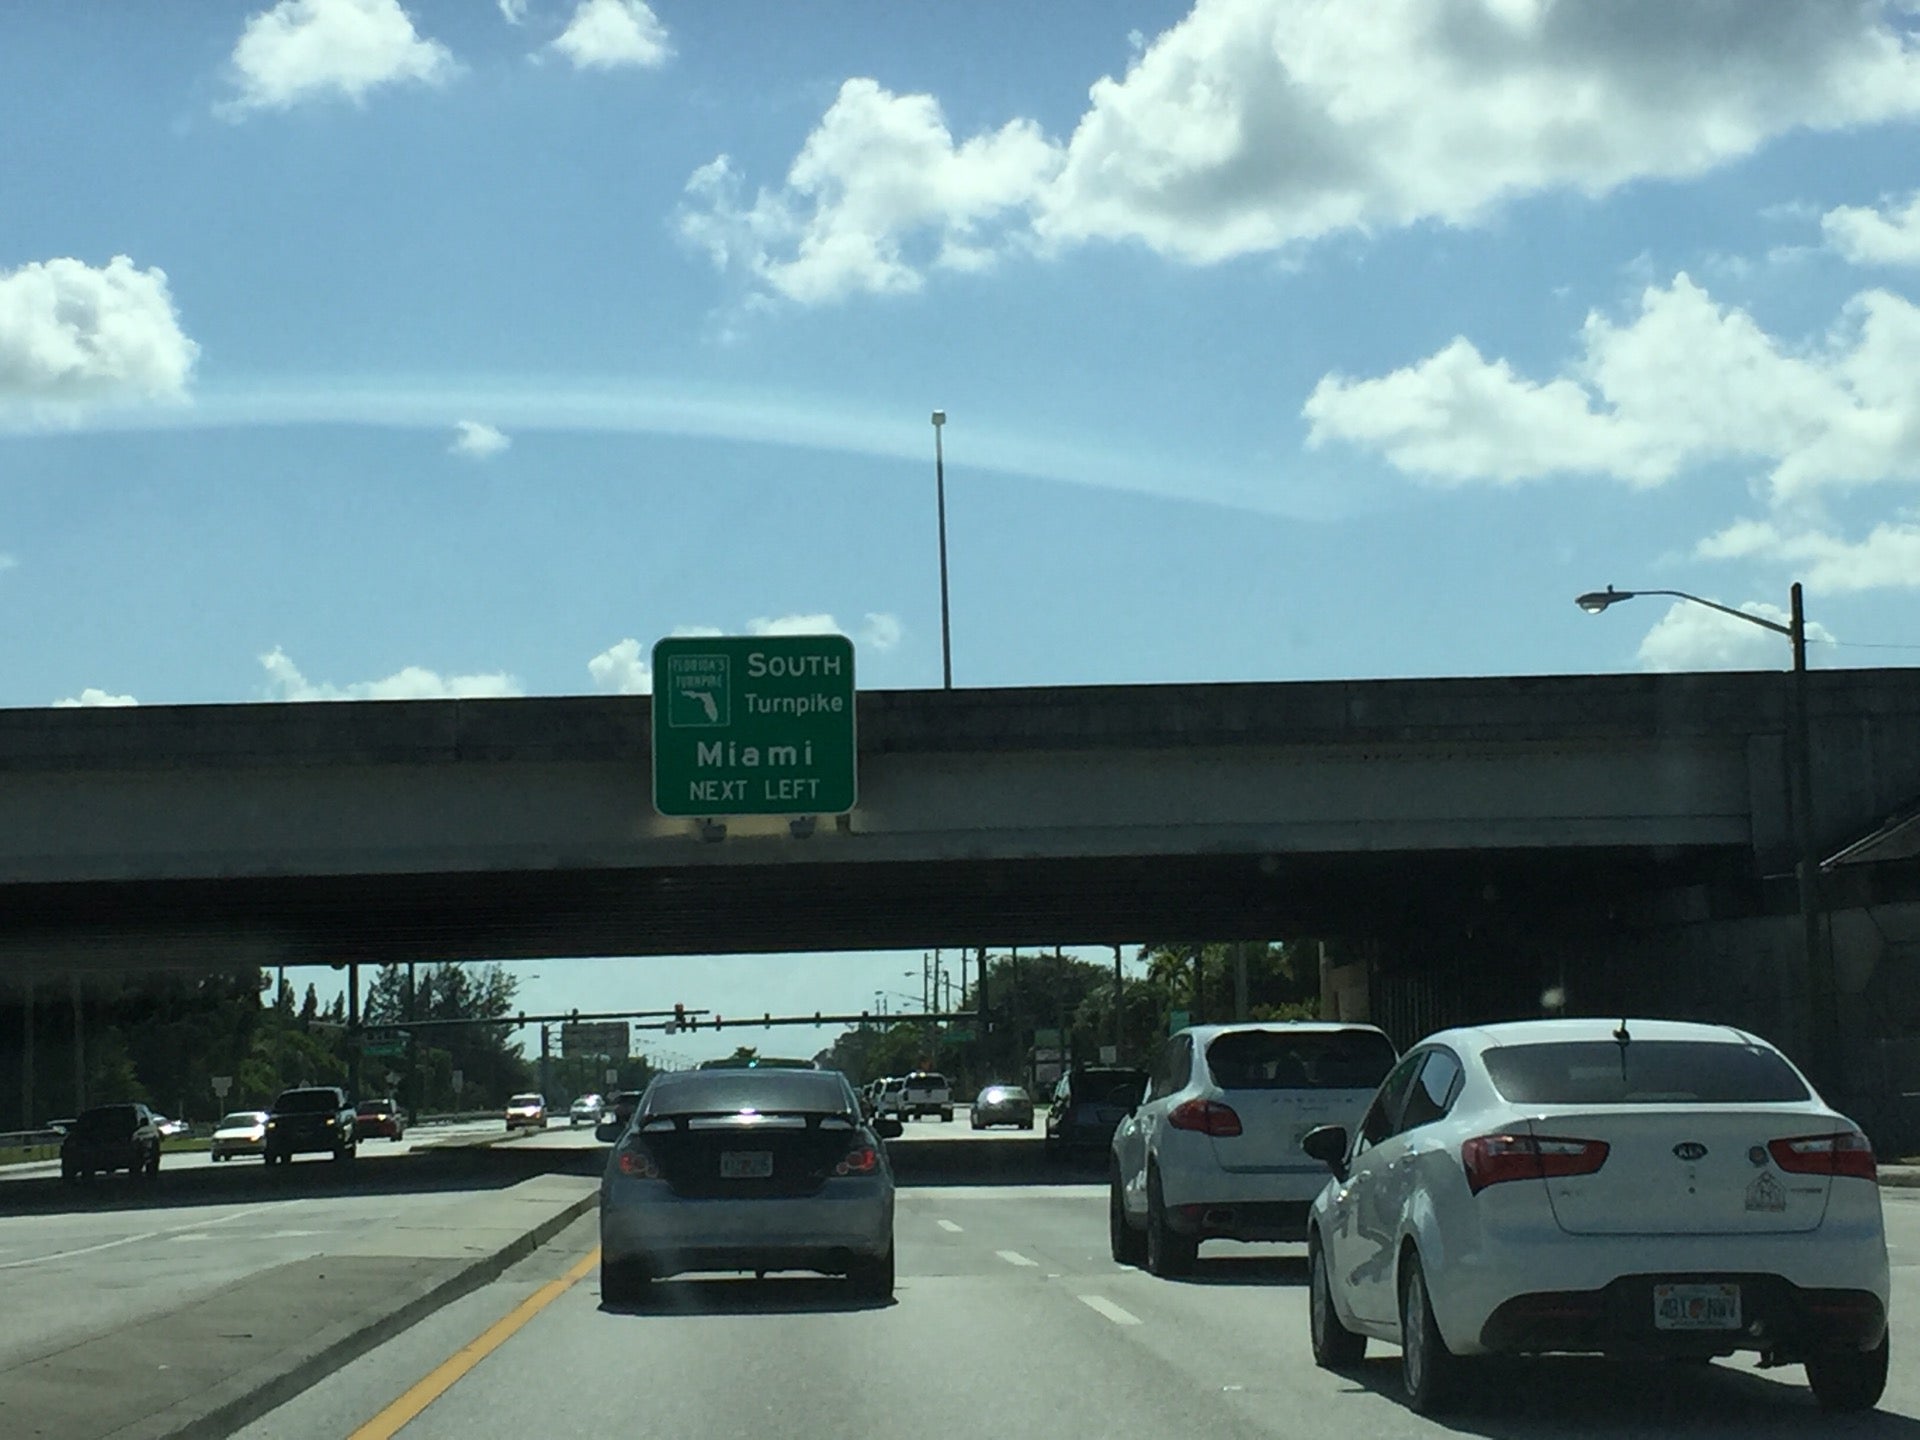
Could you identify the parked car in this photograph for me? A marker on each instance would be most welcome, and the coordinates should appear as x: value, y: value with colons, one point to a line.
x: 526, y: 1112
x: 1638, y: 1187
x: 242, y: 1132
x: 748, y: 1170
x: 312, y: 1118
x: 926, y: 1092
x: 1002, y: 1105
x: 1214, y: 1149
x: 615, y: 1114
x: 111, y: 1137
x: 1089, y: 1104
x: 585, y: 1110
x: 382, y: 1118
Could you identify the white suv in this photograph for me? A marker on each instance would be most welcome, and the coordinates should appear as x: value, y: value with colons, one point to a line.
x: 1213, y: 1150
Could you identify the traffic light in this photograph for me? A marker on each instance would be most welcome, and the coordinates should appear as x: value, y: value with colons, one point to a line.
x: 679, y: 1020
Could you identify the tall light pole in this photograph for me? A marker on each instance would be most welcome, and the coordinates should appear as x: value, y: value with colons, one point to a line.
x: 1822, y: 992
x: 940, y: 500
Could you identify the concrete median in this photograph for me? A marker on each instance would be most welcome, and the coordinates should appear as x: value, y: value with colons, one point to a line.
x: 210, y: 1366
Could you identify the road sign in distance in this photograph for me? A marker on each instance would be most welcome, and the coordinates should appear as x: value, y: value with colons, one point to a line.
x: 593, y: 1038
x: 754, y: 725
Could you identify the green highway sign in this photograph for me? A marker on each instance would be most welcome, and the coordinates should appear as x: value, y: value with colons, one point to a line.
x: 760, y: 725
x: 384, y: 1042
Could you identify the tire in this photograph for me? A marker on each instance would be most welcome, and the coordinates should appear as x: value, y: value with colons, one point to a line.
x: 1844, y: 1380
x: 1334, y: 1346
x: 946, y: 1116
x: 1429, y: 1371
x: 873, y: 1279
x: 976, y: 1123
x: 1169, y: 1253
x: 152, y: 1168
x: 345, y: 1153
x: 1128, y: 1245
x: 624, y: 1282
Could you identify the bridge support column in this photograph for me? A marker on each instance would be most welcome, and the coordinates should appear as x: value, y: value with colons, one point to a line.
x: 79, y: 1047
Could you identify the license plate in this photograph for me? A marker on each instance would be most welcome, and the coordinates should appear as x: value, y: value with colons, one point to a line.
x: 1696, y: 1307
x: 746, y: 1164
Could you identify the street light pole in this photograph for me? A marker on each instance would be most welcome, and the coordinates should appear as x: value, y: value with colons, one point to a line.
x: 940, y: 500
x: 1823, y: 1014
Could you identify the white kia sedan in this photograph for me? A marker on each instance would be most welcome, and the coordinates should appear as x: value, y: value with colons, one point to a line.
x: 1634, y: 1188
x: 1212, y: 1150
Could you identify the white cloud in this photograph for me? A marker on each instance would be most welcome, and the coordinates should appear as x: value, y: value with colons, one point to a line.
x: 626, y: 669
x: 1692, y: 637
x: 1890, y: 236
x: 8, y: 562
x: 477, y: 441
x: 879, y: 192
x: 71, y: 332
x: 1888, y: 558
x: 620, y: 669
x: 285, y: 682
x: 310, y: 49
x: 513, y: 11
x: 1256, y: 125
x: 91, y: 698
x: 608, y: 34
x: 1683, y: 383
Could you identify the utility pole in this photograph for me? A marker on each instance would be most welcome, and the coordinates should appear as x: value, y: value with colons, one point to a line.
x: 79, y: 1047
x: 1240, y: 981
x: 353, y: 1029
x: 1119, y: 1006
x: 1199, y: 984
x: 26, y: 1058
x: 546, y: 1058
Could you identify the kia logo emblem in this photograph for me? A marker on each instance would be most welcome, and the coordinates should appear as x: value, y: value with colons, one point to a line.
x: 1690, y: 1150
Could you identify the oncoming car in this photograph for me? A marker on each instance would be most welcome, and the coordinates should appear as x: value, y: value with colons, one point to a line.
x: 748, y: 1170
x: 526, y: 1112
x: 1639, y: 1187
x: 243, y: 1132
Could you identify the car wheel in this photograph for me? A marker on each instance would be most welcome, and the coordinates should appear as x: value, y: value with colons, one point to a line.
x: 976, y: 1123
x: 624, y: 1282
x: 1334, y: 1346
x: 1169, y: 1253
x: 873, y: 1279
x: 945, y: 1116
x: 345, y: 1152
x: 1848, y: 1379
x: 1128, y: 1245
x: 152, y: 1167
x: 1430, y: 1371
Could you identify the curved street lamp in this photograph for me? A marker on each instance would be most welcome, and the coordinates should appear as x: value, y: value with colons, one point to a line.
x: 1822, y: 993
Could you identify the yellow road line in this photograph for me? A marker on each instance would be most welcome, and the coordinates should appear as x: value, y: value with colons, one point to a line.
x: 390, y: 1421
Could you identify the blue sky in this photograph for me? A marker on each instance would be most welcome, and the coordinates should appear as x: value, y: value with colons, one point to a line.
x: 455, y: 345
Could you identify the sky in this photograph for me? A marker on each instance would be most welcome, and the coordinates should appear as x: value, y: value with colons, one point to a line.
x: 359, y: 350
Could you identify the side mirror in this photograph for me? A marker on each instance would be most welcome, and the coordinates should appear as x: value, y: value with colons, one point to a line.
x: 889, y: 1129
x: 1328, y: 1145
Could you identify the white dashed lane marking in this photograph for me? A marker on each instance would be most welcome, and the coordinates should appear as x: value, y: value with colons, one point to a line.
x: 1100, y: 1305
x: 949, y: 1227
x: 1014, y: 1257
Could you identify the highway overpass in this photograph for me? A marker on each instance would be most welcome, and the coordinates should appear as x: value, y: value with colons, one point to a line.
x: 301, y: 833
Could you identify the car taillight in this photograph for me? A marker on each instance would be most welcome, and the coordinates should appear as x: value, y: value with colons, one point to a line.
x: 1495, y: 1159
x: 861, y: 1160
x: 1847, y: 1153
x: 637, y: 1164
x: 1209, y: 1117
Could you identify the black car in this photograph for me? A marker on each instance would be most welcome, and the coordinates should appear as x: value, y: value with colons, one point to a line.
x: 111, y: 1137
x: 315, y: 1118
x: 615, y: 1114
x: 1088, y: 1106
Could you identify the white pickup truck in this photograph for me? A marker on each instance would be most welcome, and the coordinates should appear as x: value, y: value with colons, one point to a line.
x: 927, y: 1094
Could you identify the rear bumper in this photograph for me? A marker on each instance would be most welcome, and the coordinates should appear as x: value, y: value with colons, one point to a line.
x: 377, y: 1130
x: 307, y: 1142
x: 1250, y: 1220
x: 236, y: 1147
x: 1003, y: 1116
x: 1776, y: 1317
x: 644, y: 1222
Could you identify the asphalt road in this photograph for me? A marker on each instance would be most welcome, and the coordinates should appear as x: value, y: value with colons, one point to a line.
x: 1010, y: 1320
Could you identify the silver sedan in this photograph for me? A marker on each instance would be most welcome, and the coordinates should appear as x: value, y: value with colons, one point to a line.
x: 748, y: 1170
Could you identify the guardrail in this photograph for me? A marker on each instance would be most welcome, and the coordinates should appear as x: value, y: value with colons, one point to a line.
x: 27, y: 1139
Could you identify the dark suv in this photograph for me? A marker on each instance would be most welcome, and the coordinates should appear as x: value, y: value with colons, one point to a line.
x: 111, y: 1137
x: 314, y: 1118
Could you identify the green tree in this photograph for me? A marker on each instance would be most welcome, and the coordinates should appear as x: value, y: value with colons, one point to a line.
x: 310, y: 1008
x: 745, y: 1053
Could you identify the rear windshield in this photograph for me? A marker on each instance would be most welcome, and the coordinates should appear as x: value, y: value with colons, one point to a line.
x: 1641, y: 1072
x: 1005, y: 1092
x: 306, y: 1102
x: 1109, y: 1087
x: 1300, y: 1060
x: 374, y: 1107
x: 926, y: 1078
x: 108, y: 1120
x: 726, y: 1091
